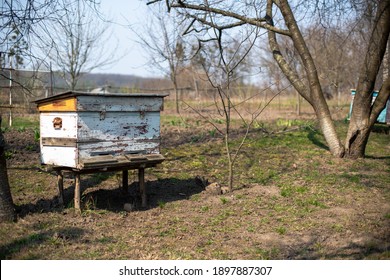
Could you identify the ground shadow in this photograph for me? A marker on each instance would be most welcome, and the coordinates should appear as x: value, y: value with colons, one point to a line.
x: 158, y: 192
x: 313, y: 136
x: 381, y: 128
x: 52, y: 204
x: 34, y: 239
x: 314, y: 250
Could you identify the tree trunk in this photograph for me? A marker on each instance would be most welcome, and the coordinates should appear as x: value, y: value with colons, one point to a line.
x: 313, y: 93
x: 176, y: 90
x: 361, y: 124
x: 364, y: 113
x: 7, y: 209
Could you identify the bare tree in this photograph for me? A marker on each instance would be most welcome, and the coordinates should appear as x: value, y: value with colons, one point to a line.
x: 26, y: 19
x: 221, y: 61
x: 7, y: 209
x: 78, y: 41
x: 279, y: 18
x: 162, y: 39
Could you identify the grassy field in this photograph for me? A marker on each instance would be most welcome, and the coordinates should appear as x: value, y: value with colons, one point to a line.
x: 292, y: 199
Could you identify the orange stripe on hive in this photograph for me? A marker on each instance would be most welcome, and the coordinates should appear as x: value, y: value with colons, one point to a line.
x: 65, y: 105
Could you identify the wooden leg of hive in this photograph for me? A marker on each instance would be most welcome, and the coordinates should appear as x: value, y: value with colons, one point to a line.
x: 125, y: 181
x: 142, y: 187
x: 77, y: 192
x: 60, y: 185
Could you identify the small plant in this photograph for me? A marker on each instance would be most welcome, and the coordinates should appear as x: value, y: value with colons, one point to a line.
x: 195, y: 138
x: 30, y: 148
x: 338, y: 227
x: 161, y: 204
x: 251, y: 228
x: 224, y: 200
x: 9, y: 154
x: 281, y: 230
x: 212, y: 132
x: 286, y: 192
x: 37, y: 135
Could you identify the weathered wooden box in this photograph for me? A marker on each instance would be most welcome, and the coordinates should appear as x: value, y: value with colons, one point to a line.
x: 86, y: 130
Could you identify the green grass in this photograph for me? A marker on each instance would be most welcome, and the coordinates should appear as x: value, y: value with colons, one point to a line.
x: 22, y: 123
x: 286, y: 187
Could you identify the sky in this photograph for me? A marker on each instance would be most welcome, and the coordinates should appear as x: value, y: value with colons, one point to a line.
x: 133, y: 59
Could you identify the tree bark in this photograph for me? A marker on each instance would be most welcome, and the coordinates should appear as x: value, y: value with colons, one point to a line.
x: 7, y: 209
x: 364, y: 113
x: 314, y: 94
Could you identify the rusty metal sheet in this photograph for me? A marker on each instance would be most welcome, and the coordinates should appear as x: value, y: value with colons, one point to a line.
x: 119, y: 104
x: 118, y: 126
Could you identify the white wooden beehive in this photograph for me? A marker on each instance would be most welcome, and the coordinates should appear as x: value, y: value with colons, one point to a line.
x: 86, y: 130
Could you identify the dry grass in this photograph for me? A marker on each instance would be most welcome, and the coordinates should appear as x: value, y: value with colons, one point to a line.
x: 292, y: 200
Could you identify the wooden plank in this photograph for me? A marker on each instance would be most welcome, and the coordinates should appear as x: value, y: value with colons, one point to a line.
x: 136, y: 157
x: 77, y: 192
x: 121, y: 164
x: 63, y: 105
x: 59, y: 142
x: 60, y: 185
x: 99, y: 160
x: 142, y: 187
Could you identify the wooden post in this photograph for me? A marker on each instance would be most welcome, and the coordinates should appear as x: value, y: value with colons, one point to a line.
x: 125, y: 181
x: 142, y: 187
x: 60, y: 185
x: 77, y: 192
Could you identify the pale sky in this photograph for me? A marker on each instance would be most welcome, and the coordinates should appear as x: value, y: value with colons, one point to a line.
x: 126, y: 12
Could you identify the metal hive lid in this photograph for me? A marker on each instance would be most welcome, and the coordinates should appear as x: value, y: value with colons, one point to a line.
x: 68, y: 94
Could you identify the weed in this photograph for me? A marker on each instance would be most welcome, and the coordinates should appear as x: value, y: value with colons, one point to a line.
x: 9, y: 154
x: 212, y: 132
x: 195, y: 138
x: 281, y: 230
x: 195, y: 197
x: 264, y: 254
x: 161, y: 204
x: 30, y: 147
x: 338, y: 227
x: 250, y: 228
x: 224, y: 200
x: 286, y: 191
x: 37, y: 135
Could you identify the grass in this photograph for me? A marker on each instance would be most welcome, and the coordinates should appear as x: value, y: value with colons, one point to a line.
x: 290, y: 198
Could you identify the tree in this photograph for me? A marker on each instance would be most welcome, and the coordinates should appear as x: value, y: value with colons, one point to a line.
x: 278, y: 18
x: 364, y: 114
x: 221, y: 62
x: 77, y: 41
x: 7, y: 209
x: 162, y: 39
x: 26, y: 19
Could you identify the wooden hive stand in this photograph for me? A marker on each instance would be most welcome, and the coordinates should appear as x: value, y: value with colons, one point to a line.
x: 109, y: 164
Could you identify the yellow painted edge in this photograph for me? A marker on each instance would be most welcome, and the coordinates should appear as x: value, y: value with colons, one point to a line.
x: 68, y: 105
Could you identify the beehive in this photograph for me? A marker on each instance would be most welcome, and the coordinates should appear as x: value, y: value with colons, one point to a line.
x: 88, y: 130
